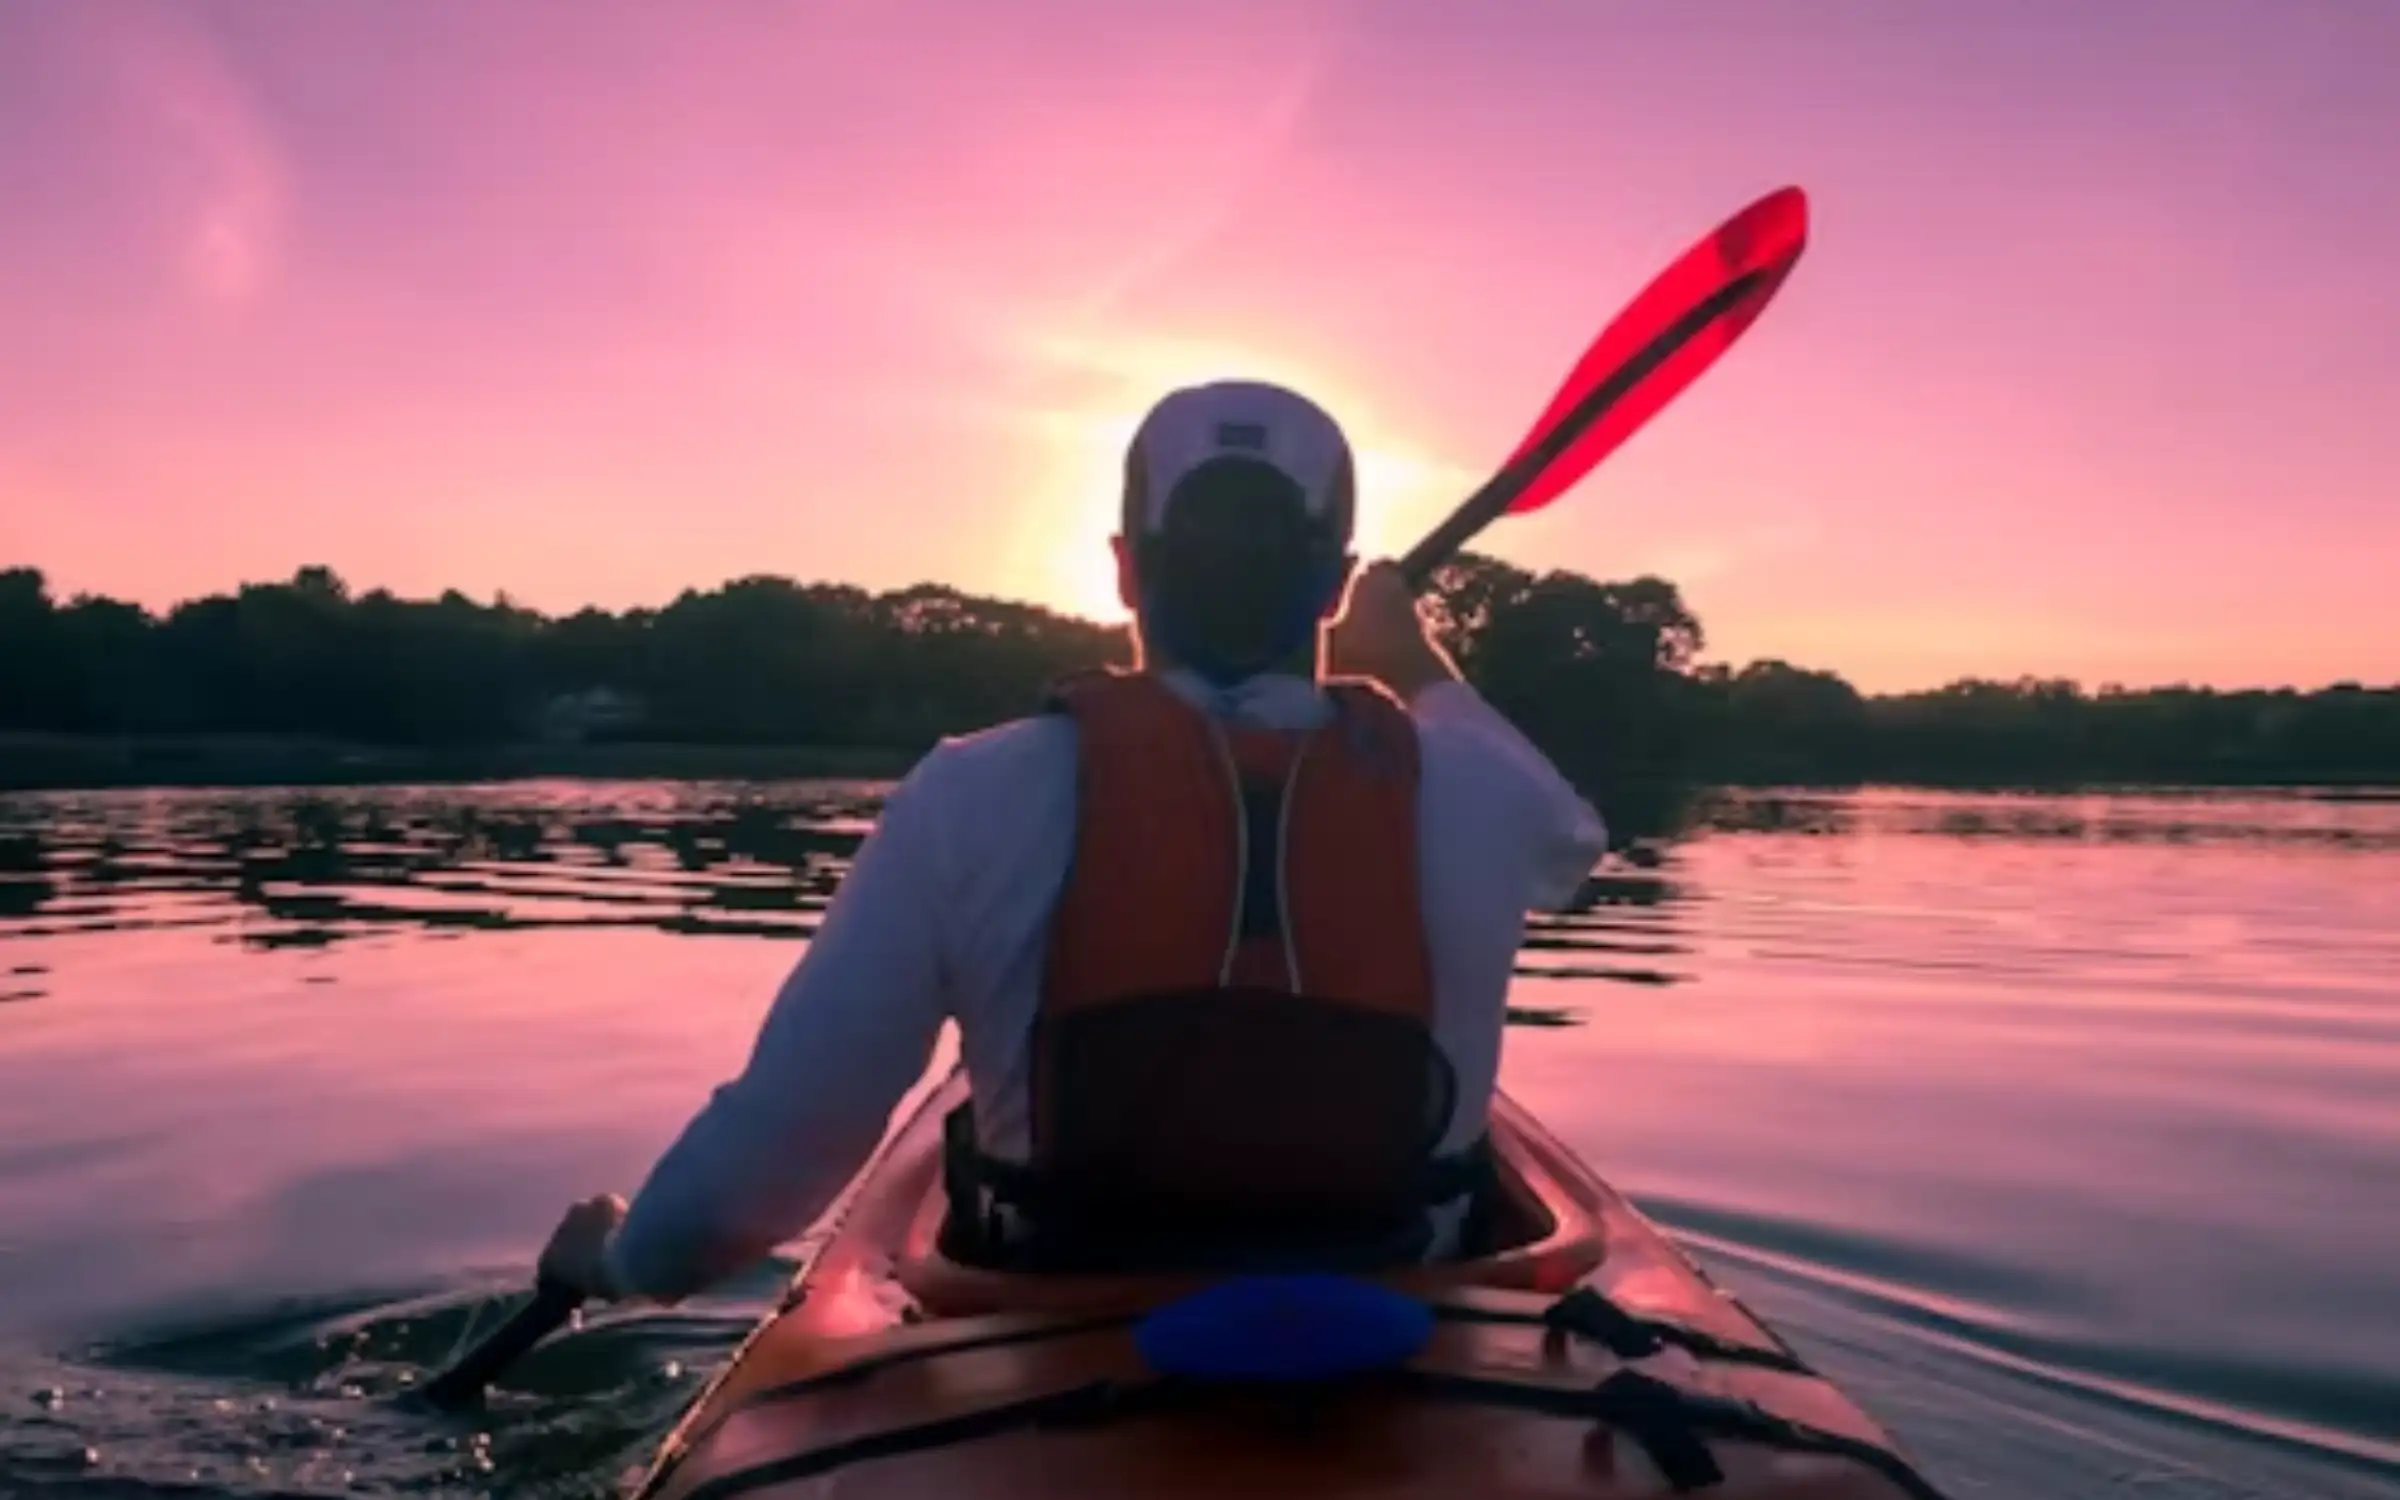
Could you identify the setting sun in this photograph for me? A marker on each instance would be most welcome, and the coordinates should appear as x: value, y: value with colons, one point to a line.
x: 1065, y: 558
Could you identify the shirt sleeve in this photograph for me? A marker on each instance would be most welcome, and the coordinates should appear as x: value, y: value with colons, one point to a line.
x: 852, y: 1028
x: 1559, y: 832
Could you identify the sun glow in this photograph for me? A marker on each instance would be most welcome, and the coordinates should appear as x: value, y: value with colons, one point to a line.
x: 1402, y: 489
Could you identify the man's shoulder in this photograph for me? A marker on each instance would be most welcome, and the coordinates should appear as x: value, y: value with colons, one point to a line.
x: 1005, y: 757
x: 990, y: 811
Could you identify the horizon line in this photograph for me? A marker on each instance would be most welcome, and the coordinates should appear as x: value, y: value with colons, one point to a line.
x: 501, y: 597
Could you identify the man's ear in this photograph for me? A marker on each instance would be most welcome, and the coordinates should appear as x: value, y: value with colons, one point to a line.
x: 1129, y: 573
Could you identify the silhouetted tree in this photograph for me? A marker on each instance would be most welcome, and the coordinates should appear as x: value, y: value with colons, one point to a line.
x: 1605, y: 676
x: 1778, y: 722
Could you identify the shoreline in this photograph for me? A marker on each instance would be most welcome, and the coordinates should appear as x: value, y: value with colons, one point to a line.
x: 65, y: 762
x: 32, y: 762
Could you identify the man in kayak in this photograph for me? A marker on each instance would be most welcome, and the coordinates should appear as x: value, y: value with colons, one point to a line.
x: 1227, y: 942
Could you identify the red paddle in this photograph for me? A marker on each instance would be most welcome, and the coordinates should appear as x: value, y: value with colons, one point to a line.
x: 1691, y: 313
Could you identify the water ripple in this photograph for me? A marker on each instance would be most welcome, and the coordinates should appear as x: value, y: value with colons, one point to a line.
x: 2059, y: 1129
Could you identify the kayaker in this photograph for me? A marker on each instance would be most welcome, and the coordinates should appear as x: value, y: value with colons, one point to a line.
x: 1091, y: 895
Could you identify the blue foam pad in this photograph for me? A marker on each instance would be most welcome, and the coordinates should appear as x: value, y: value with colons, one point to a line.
x: 1284, y: 1328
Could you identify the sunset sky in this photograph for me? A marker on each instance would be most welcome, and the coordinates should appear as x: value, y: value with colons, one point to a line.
x: 2093, y: 367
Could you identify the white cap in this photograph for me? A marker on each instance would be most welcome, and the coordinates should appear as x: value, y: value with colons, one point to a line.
x: 1239, y: 419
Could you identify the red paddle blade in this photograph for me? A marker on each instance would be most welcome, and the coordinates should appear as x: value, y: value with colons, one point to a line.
x: 1691, y: 313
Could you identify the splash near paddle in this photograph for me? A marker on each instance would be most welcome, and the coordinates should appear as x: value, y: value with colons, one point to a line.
x: 1683, y: 320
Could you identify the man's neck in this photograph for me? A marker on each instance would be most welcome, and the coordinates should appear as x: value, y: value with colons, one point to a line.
x: 1304, y: 663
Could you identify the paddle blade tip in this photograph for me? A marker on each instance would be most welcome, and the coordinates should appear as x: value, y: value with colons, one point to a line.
x: 1766, y: 237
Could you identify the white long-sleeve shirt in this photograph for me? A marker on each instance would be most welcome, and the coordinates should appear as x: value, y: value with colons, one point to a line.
x: 945, y: 916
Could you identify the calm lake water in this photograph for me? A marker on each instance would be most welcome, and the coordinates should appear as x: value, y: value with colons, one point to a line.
x: 2065, y: 1132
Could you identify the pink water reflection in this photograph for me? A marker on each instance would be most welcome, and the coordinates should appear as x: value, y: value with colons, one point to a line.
x: 2095, y: 1090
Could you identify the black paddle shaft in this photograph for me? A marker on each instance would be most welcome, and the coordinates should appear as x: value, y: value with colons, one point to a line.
x: 1499, y: 492
x: 462, y: 1384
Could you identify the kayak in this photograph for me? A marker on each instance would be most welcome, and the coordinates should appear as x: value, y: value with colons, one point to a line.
x: 1573, y: 1351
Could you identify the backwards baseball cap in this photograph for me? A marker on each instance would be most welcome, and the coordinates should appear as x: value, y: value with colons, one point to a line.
x: 1239, y: 499
x: 1246, y: 424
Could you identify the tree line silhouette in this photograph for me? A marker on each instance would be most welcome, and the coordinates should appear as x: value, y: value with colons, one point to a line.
x: 1605, y: 676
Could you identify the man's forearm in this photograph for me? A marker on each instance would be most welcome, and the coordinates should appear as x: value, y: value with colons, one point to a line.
x: 852, y: 1028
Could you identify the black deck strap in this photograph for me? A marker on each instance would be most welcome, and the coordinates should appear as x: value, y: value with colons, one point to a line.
x: 1095, y: 1401
x: 1670, y: 1423
x: 875, y: 1364
x: 1653, y: 1413
x: 1621, y: 1402
x: 1587, y: 1313
x: 1585, y: 1320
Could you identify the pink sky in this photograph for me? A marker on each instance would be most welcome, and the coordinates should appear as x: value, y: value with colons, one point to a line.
x: 593, y: 301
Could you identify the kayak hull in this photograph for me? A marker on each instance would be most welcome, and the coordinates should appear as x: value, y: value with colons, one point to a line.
x: 1579, y: 1353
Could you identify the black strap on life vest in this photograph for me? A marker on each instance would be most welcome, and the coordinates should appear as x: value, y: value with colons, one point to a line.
x: 997, y: 1210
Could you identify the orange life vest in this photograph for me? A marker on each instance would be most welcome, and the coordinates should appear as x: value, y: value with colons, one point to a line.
x: 1234, y: 1060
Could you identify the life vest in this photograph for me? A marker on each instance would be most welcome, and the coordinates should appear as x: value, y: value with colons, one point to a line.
x: 1233, y: 1062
